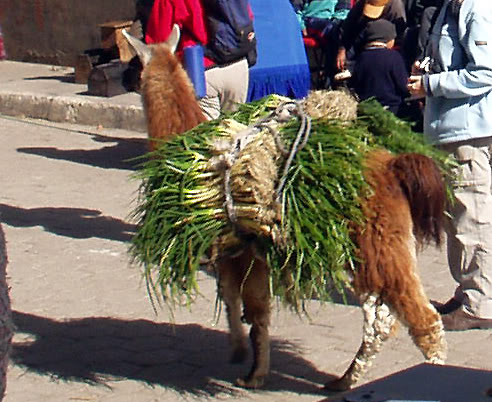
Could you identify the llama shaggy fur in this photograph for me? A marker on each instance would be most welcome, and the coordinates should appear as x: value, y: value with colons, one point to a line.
x: 404, y: 211
x: 168, y: 97
x: 386, y: 282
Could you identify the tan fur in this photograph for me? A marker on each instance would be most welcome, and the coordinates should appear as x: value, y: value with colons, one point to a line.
x: 403, y: 212
x: 169, y: 100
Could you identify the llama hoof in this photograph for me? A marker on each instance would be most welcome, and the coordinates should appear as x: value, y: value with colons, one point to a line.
x: 255, y: 382
x: 239, y: 356
x: 340, y: 384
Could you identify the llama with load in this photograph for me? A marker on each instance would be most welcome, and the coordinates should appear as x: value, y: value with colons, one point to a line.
x: 402, y: 211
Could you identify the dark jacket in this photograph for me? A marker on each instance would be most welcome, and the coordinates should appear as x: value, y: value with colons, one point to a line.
x: 351, y: 30
x: 381, y: 73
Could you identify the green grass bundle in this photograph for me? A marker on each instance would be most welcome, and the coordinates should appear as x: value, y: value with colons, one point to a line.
x: 184, y: 210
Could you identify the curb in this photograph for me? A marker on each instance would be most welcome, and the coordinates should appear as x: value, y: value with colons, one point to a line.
x: 67, y: 110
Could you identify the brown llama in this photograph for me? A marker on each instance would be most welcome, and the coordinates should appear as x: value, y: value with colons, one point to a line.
x: 404, y: 212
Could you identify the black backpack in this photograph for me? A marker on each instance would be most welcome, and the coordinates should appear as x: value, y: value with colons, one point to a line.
x: 231, y: 32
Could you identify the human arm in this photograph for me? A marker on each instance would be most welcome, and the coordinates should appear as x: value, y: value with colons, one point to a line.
x: 350, y: 27
x: 400, y: 75
x: 473, y: 49
x: 348, y: 33
x: 160, y: 22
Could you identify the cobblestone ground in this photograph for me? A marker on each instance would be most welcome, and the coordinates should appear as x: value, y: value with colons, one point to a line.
x: 86, y: 330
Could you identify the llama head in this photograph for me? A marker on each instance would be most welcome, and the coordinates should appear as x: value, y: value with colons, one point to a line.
x: 168, y: 96
x: 144, y: 51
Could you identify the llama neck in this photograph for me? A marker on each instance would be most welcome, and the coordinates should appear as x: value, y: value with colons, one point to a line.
x: 168, y: 96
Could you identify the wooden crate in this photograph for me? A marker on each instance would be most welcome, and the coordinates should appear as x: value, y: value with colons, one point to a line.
x: 85, y: 62
x: 107, y: 79
x: 111, y: 36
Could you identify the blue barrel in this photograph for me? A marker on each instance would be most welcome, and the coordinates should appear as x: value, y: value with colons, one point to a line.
x: 193, y: 63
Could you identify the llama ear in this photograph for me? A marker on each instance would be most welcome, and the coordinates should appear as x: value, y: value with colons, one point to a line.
x: 139, y: 48
x: 173, y: 39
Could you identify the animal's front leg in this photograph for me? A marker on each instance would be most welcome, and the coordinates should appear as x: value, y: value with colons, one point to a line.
x: 260, y: 341
x: 378, y: 324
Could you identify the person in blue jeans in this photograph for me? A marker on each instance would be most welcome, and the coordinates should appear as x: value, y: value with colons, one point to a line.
x: 379, y: 71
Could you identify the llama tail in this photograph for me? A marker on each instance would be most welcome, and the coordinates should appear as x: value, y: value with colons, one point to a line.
x: 422, y: 182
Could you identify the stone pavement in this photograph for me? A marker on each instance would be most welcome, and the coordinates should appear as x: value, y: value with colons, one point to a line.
x: 86, y: 329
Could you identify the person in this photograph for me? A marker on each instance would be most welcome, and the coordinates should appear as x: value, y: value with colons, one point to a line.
x: 458, y: 100
x: 319, y: 17
x: 427, y: 19
x: 226, y: 85
x: 351, y: 30
x: 320, y: 20
x: 379, y: 71
x: 3, y: 54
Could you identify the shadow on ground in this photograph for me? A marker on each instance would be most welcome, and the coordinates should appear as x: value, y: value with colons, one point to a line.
x: 187, y: 358
x: 123, y: 153
x: 78, y: 223
x: 68, y: 78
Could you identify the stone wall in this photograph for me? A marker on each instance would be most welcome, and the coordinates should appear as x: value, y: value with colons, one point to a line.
x: 56, y: 31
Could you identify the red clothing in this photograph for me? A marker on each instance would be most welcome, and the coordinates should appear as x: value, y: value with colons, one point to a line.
x: 187, y: 14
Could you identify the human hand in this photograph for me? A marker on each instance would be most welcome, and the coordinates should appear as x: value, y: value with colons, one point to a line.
x: 415, y: 86
x: 421, y: 66
x: 341, y: 58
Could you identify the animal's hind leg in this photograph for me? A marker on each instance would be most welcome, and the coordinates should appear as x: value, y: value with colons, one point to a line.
x: 378, y: 325
x: 256, y: 298
x: 229, y: 290
x: 424, y: 323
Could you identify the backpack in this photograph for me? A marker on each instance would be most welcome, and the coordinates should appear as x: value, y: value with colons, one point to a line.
x: 231, y: 31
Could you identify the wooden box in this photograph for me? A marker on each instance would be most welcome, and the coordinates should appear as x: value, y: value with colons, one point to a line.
x: 83, y: 67
x: 85, y: 62
x: 111, y: 36
x: 107, y: 79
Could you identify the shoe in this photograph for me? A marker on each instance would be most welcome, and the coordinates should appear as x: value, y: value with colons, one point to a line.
x: 459, y: 320
x: 448, y: 307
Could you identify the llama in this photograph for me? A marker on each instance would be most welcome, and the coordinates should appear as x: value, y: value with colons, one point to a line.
x: 403, y: 213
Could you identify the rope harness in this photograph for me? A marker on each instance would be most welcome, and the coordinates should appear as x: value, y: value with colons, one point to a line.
x: 282, y: 114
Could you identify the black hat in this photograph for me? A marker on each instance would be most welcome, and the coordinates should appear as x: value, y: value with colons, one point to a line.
x: 380, y: 30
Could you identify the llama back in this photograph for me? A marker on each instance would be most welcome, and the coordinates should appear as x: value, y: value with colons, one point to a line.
x: 169, y: 100
x: 423, y: 185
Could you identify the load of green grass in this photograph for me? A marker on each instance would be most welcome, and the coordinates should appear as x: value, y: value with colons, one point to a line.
x: 186, y: 207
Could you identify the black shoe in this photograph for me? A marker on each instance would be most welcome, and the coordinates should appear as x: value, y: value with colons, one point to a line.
x: 459, y: 320
x: 448, y: 307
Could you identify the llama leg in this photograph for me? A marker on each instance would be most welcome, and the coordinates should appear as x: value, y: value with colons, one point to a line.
x: 424, y: 325
x: 378, y: 325
x: 256, y: 298
x: 229, y: 290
